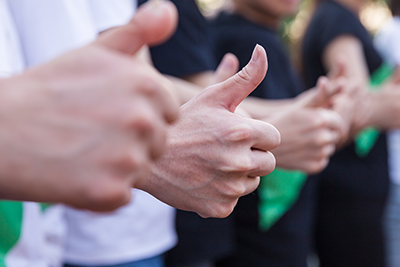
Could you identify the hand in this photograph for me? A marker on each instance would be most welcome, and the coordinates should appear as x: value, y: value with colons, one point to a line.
x: 215, y: 156
x: 85, y: 128
x: 228, y: 67
x: 309, y: 131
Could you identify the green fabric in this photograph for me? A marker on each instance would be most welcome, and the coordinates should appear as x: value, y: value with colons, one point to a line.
x: 45, y: 206
x: 278, y: 192
x: 366, y: 139
x: 10, y: 227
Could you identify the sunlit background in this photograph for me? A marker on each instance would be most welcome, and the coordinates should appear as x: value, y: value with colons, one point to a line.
x: 373, y: 16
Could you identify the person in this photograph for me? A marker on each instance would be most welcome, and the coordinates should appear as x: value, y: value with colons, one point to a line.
x: 103, y: 48
x: 387, y: 42
x: 44, y: 149
x: 194, y: 233
x: 353, y: 188
x: 262, y: 239
x: 35, y: 233
x: 187, y: 55
x: 261, y: 135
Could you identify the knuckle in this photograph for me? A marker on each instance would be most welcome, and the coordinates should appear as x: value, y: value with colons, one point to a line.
x: 323, y: 138
x: 142, y: 123
x: 222, y: 210
x: 235, y: 189
x: 243, y: 76
x: 101, y: 198
x: 237, y: 133
x: 245, y: 165
x: 317, y: 166
x: 274, y: 137
x: 269, y: 165
x: 318, y: 121
x: 135, y: 160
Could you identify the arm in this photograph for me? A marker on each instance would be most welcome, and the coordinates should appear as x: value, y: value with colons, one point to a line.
x: 215, y: 156
x: 84, y: 128
x: 371, y: 109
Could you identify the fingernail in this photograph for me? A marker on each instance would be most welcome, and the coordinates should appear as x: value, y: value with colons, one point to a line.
x: 154, y: 5
x: 256, y: 53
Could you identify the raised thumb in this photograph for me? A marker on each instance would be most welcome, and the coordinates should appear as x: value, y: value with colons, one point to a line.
x: 321, y: 95
x: 234, y: 90
x: 153, y: 23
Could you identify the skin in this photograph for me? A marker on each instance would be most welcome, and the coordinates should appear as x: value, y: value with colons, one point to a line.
x: 221, y: 156
x: 310, y: 124
x: 87, y: 127
x: 371, y: 109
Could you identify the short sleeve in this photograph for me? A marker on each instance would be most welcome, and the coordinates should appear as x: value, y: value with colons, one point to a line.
x: 387, y: 42
x: 189, y: 50
x: 330, y: 21
x: 337, y: 24
x: 107, y: 14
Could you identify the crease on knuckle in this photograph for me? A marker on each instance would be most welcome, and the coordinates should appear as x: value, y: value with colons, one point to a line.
x: 237, y: 133
x: 243, y: 77
x: 143, y: 124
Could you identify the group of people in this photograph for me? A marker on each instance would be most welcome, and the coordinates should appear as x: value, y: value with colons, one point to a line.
x: 102, y: 134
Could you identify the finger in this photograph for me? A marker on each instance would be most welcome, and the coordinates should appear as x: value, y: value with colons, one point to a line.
x: 165, y: 98
x: 329, y: 150
x: 153, y: 23
x: 148, y: 127
x: 322, y: 94
x: 104, y: 194
x: 226, y: 69
x: 251, y: 184
x: 333, y: 121
x: 159, y: 89
x: 265, y: 137
x: 264, y: 163
x: 230, y: 93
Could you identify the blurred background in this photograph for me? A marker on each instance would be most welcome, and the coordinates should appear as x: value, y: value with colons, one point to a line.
x: 373, y: 16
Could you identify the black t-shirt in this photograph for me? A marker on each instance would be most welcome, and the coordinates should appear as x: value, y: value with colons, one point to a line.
x: 352, y: 190
x: 287, y: 243
x: 234, y: 34
x: 188, y: 51
x: 330, y: 21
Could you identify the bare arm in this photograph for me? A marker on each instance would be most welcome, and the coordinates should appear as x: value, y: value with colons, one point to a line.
x: 371, y: 109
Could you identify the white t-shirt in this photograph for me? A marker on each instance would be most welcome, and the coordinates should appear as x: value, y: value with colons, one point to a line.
x: 142, y: 229
x: 24, y: 252
x: 48, y: 28
x: 11, y: 61
x: 145, y: 227
x: 387, y: 42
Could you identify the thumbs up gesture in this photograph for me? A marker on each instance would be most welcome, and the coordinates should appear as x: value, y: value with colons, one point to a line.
x: 85, y: 128
x: 213, y: 155
x: 309, y: 130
